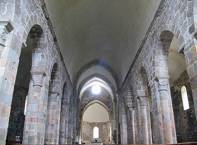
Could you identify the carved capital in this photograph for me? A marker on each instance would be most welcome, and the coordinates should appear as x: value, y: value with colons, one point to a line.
x: 5, y: 28
x: 37, y: 78
x: 141, y: 93
x: 163, y: 84
x: 163, y: 87
x: 143, y: 101
x: 55, y: 95
x: 55, y: 91
x: 130, y: 104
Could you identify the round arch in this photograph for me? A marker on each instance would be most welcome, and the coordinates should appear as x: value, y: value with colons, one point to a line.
x: 96, y: 102
x: 31, y: 61
x: 93, y: 81
x: 103, y: 124
x: 98, y: 66
x: 176, y: 66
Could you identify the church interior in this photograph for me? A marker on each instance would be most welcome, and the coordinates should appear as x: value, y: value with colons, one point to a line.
x: 98, y: 72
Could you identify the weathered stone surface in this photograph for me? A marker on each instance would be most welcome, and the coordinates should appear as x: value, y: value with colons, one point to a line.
x: 54, y: 116
x: 173, y: 19
x: 15, y: 26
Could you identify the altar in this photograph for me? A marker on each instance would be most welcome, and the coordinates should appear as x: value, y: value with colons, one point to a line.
x: 96, y: 141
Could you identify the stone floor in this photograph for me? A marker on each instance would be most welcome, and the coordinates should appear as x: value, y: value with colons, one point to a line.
x: 194, y: 143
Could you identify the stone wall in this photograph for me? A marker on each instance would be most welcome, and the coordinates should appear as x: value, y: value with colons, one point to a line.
x: 173, y: 19
x: 104, y: 131
x: 185, y: 121
x: 16, y: 22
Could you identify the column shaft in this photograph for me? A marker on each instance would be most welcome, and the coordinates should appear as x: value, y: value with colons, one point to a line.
x: 34, y: 129
x: 53, y: 119
x: 167, y: 111
x: 145, y: 127
x: 63, y: 122
x: 124, y: 138
x: 8, y: 71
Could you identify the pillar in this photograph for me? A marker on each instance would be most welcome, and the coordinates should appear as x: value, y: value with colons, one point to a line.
x: 74, y: 121
x: 64, y: 119
x: 132, y: 112
x: 123, y: 117
x: 34, y: 128
x: 8, y: 71
x: 67, y: 124
x: 145, y: 126
x: 53, y: 119
x: 134, y: 124
x: 168, y: 125
x: 163, y: 96
x: 191, y: 61
x: 70, y: 123
x: 156, y: 120
x: 114, y: 131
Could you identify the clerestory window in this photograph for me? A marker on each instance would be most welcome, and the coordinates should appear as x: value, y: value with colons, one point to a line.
x: 185, y: 99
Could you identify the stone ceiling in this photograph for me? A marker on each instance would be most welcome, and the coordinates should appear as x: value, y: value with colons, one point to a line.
x: 106, y: 30
x: 105, y: 98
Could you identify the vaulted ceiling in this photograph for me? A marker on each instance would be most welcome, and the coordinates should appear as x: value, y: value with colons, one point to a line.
x: 107, y: 30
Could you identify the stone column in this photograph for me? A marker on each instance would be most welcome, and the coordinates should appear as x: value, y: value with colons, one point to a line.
x: 34, y: 129
x: 194, y: 93
x: 8, y: 70
x: 133, y: 121
x: 53, y: 118
x: 115, y: 124
x: 63, y: 121
x: 74, y: 121
x: 168, y: 125
x: 145, y: 126
x: 156, y: 120
x: 70, y: 125
x: 124, y: 127
x: 134, y: 124
x: 162, y: 85
x: 191, y: 61
x: 129, y: 127
x: 67, y: 124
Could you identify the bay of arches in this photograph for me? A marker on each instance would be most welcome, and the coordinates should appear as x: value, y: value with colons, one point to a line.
x: 181, y: 89
x: 31, y: 54
x: 32, y: 110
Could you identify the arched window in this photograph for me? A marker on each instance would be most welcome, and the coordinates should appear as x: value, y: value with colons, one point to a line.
x: 184, y: 98
x: 95, y: 132
x: 25, y: 109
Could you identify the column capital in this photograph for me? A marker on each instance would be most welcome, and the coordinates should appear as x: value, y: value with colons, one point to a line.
x: 5, y: 28
x: 132, y: 104
x: 6, y: 25
x: 163, y: 84
x: 38, y: 70
x: 143, y: 100
x: 37, y: 78
x: 55, y: 88
x: 159, y: 76
x: 141, y: 93
x: 55, y: 94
